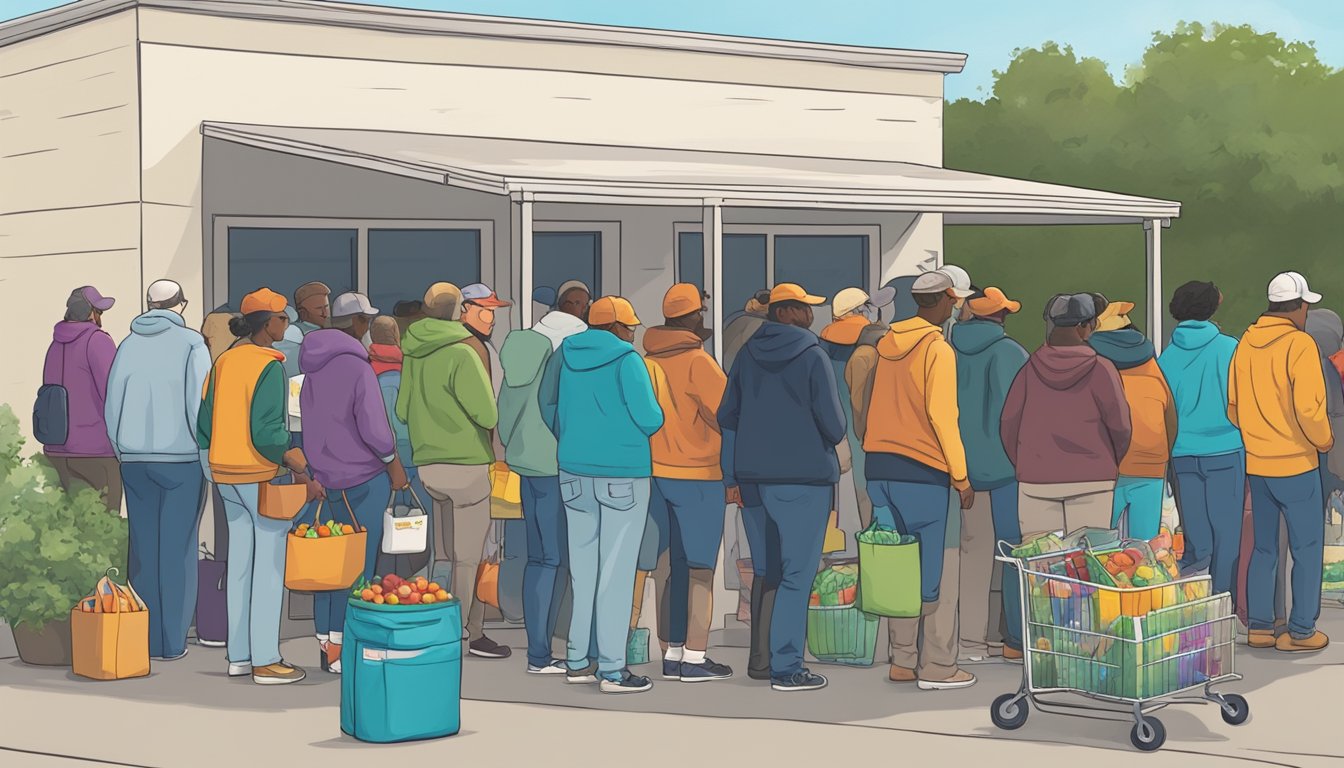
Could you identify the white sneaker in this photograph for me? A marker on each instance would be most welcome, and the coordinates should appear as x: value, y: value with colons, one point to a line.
x: 211, y: 643
x: 240, y: 669
x: 960, y: 679
x: 554, y: 668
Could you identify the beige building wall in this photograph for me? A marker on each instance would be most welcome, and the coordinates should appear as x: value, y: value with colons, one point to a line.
x: 69, y: 187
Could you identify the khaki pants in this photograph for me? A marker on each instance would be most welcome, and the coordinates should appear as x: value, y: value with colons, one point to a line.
x: 1064, y: 506
x: 103, y: 474
x: 461, y: 522
x: 930, y: 644
x: 978, y: 568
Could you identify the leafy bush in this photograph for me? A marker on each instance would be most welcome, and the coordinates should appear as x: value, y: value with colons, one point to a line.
x: 54, y: 546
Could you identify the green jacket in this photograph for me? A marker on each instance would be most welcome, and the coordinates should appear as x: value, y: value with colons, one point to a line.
x: 529, y: 447
x: 446, y: 398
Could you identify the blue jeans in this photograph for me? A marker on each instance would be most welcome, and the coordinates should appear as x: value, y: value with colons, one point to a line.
x: 1298, y: 500
x: 1003, y: 509
x: 544, y: 516
x: 367, y: 503
x: 605, y: 520
x: 790, y: 531
x: 1211, y: 494
x: 256, y: 577
x: 920, y: 510
x: 693, y: 511
x: 164, y: 503
x: 1141, y: 497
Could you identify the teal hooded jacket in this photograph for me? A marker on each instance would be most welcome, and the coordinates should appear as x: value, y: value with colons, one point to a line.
x: 597, y: 399
x: 1196, y: 366
x: 987, y: 362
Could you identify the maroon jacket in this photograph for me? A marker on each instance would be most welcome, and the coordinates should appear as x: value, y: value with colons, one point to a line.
x: 1066, y: 419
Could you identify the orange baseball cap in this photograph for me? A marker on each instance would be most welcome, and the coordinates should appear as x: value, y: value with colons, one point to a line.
x: 612, y: 309
x: 683, y: 299
x: 993, y: 302
x: 262, y: 300
x: 794, y: 292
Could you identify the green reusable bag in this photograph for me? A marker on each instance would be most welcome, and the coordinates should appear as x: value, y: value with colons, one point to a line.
x: 889, y: 583
x: 637, y: 647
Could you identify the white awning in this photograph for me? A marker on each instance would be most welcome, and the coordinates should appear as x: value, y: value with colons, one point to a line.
x: 547, y: 172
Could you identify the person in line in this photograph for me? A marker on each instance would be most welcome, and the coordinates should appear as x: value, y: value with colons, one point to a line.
x: 597, y: 399
x: 530, y: 450
x: 160, y: 369
x: 1152, y: 416
x: 1065, y: 425
x: 350, y: 447
x: 312, y: 302
x: 448, y: 404
x: 407, y: 313
x: 857, y: 324
x: 1276, y: 397
x: 782, y: 406
x: 385, y: 358
x: 915, y: 460
x: 1327, y: 330
x: 688, y: 489
x: 988, y: 360
x: 1208, y: 461
x: 80, y: 360
x: 743, y: 325
x: 241, y: 423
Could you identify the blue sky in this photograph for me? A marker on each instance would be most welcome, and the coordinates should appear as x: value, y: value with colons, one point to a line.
x: 987, y: 30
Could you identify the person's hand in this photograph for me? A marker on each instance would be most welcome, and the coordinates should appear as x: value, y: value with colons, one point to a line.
x: 315, y: 489
x: 397, y: 474
x: 735, y: 495
x: 967, y: 497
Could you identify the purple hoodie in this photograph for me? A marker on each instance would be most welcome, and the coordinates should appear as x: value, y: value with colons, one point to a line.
x: 80, y: 359
x: 345, y: 431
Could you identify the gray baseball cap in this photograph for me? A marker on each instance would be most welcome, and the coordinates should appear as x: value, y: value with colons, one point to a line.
x: 84, y: 300
x: 352, y: 303
x: 1069, y: 310
x: 938, y: 282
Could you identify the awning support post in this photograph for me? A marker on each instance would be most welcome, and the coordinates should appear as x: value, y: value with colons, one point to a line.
x: 1153, y: 238
x: 711, y: 227
x: 521, y: 225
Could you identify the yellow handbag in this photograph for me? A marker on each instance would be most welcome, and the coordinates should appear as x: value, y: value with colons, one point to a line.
x: 506, y: 501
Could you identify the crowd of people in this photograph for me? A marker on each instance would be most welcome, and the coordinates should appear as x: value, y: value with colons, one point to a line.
x: 932, y: 420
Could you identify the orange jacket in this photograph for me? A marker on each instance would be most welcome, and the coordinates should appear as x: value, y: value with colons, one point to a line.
x: 689, y: 386
x: 912, y: 411
x: 1152, y: 412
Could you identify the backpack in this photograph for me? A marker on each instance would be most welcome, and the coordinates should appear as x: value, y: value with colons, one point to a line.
x: 51, y: 412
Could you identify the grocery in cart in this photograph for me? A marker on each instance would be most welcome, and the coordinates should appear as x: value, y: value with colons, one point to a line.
x: 1111, y: 621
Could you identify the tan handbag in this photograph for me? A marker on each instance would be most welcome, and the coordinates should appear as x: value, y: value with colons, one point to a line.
x: 327, y: 562
x: 281, y: 502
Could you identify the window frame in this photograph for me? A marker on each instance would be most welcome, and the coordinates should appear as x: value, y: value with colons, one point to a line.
x: 217, y: 275
x: 872, y: 231
x: 609, y: 250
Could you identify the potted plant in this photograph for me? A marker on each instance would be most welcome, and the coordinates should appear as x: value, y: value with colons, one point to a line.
x: 54, y: 546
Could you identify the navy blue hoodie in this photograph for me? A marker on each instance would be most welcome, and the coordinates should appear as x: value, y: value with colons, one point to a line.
x: 784, y: 408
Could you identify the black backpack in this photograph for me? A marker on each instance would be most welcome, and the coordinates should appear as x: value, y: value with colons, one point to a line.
x: 51, y: 412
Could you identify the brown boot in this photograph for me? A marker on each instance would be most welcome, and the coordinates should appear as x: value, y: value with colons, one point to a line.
x: 1261, y: 638
x: 1012, y: 654
x: 1290, y: 644
x: 901, y: 675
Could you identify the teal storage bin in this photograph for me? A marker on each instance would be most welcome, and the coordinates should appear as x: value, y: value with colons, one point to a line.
x: 401, y: 671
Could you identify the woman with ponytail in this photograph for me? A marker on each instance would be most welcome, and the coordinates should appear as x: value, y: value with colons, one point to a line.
x: 242, y: 426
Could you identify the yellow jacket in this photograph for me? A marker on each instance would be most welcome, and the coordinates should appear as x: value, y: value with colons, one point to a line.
x: 912, y: 410
x: 689, y: 386
x: 1276, y: 397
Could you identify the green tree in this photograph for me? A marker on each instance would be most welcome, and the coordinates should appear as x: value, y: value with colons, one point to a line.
x: 1238, y: 125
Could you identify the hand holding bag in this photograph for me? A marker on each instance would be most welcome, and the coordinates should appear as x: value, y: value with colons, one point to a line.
x: 325, y: 563
x: 889, y: 576
x: 408, y: 534
x: 281, y: 502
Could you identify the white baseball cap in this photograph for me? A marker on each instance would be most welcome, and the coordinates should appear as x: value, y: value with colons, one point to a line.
x: 162, y: 290
x: 1290, y: 286
x: 352, y: 303
x: 850, y: 299
x: 961, y: 279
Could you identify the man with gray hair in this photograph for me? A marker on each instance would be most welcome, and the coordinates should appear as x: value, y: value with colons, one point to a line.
x: 153, y: 396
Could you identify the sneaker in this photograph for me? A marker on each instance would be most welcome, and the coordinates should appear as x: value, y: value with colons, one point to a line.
x: 901, y: 674
x: 626, y: 683
x: 486, y: 648
x: 170, y: 658
x: 279, y: 673
x: 1012, y: 654
x: 671, y: 670
x: 1260, y: 638
x: 959, y: 679
x: 211, y: 643
x: 585, y: 676
x: 331, y: 658
x: 802, y: 680
x: 240, y: 669
x: 704, y: 672
x: 554, y: 668
x: 1316, y: 642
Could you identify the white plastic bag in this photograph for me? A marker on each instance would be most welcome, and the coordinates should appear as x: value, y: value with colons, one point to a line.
x: 405, y: 529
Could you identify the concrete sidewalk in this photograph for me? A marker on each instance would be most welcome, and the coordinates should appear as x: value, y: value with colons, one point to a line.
x: 188, y: 713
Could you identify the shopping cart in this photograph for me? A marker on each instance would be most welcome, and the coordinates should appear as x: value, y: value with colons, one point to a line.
x: 1130, y: 651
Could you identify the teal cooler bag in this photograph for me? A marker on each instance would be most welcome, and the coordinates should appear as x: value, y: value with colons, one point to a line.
x: 889, y: 581
x: 401, y: 671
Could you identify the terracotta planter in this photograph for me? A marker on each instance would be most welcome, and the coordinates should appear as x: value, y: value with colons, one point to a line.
x: 48, y: 646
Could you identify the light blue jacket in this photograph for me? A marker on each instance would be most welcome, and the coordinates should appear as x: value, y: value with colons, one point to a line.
x: 1196, y: 367
x: 389, y: 382
x: 155, y: 388
x: 597, y: 399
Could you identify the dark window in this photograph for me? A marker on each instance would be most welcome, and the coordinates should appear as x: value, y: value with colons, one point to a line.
x: 558, y: 257
x: 691, y: 259
x: 405, y: 262
x: 284, y: 259
x: 822, y: 264
x: 743, y: 266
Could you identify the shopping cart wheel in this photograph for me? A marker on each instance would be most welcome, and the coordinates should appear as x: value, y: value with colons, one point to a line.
x: 1149, y: 734
x: 1009, y: 711
x: 1235, y: 709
